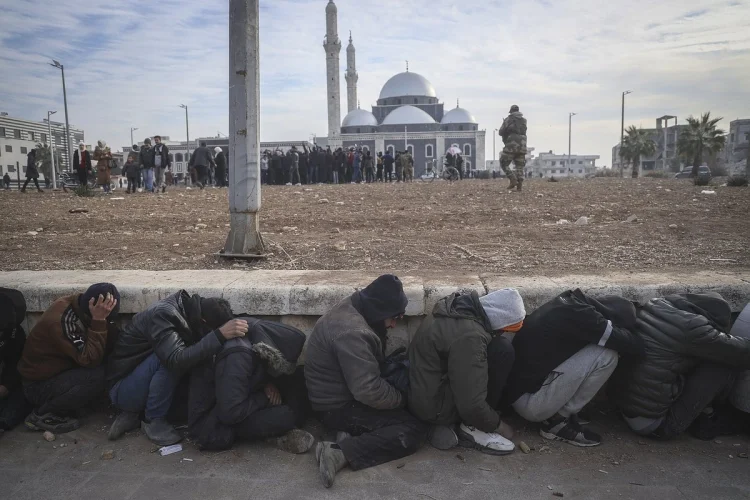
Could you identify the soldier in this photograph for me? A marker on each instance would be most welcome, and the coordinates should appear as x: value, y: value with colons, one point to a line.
x: 513, y: 132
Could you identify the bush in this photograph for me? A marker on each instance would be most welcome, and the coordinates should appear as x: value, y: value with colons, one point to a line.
x: 656, y: 175
x: 84, y: 191
x: 737, y: 181
x: 553, y: 179
x: 606, y: 172
x: 719, y: 171
x: 482, y: 174
x: 701, y: 181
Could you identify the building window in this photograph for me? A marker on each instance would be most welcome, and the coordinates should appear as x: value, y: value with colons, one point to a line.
x: 31, y: 135
x: 580, y: 170
x: 398, y: 101
x: 179, y: 167
x: 467, y: 149
x: 428, y: 151
x: 17, y: 134
x: 468, y: 165
x: 24, y: 150
x: 8, y: 148
x: 416, y: 101
x: 460, y: 127
x: 358, y: 131
x: 410, y: 149
x: 44, y: 138
x: 179, y: 157
x: 2, y: 131
x: 11, y: 169
x: 554, y: 163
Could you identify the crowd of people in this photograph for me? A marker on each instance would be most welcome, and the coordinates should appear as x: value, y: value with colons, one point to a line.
x: 472, y: 362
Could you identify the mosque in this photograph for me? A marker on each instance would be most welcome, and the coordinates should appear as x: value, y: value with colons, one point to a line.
x: 408, y: 113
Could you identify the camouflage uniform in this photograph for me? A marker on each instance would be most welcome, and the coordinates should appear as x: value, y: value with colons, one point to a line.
x: 407, y: 164
x: 513, y: 132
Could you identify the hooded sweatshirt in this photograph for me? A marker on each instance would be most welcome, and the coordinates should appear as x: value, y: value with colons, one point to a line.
x: 448, y: 373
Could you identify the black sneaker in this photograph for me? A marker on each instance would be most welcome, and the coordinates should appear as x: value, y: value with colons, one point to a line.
x: 50, y: 422
x: 559, y: 428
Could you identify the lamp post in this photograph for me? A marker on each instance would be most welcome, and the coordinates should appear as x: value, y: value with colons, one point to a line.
x: 51, y: 148
x: 244, y: 239
x: 187, y: 127
x: 570, y: 134
x: 132, y: 129
x: 622, y: 131
x: 56, y: 64
x: 494, y: 152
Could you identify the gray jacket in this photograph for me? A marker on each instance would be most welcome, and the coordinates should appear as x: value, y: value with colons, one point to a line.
x: 342, y: 363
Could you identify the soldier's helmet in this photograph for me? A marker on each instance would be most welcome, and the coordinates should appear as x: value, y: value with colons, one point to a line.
x: 514, y: 108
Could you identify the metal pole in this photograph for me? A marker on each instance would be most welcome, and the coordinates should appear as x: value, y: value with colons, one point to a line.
x: 622, y: 132
x: 67, y: 123
x: 132, y: 129
x: 494, y: 152
x: 187, y: 128
x: 244, y: 239
x: 51, y: 148
x: 406, y: 139
x: 570, y: 135
x: 18, y: 175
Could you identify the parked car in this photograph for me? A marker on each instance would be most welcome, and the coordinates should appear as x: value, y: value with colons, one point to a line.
x: 703, y: 173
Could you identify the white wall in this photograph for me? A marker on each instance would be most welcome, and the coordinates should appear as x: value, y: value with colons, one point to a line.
x: 10, y: 158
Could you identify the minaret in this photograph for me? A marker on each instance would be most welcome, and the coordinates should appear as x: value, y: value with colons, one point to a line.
x: 332, y: 46
x: 351, y: 76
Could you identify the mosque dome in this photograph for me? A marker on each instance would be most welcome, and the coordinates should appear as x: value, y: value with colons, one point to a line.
x: 407, y: 115
x: 360, y: 118
x: 458, y: 115
x: 407, y: 84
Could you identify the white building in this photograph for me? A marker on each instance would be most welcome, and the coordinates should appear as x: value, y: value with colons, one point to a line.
x: 548, y: 164
x: 37, y: 132
x: 13, y: 157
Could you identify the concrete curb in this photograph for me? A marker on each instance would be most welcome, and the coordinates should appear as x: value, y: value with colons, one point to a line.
x: 312, y: 293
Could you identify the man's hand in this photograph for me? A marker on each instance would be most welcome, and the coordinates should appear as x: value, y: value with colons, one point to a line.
x: 4, y: 392
x: 273, y: 394
x: 102, y: 307
x: 233, y: 329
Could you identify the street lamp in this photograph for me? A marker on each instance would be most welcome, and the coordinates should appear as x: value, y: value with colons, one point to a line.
x: 51, y: 148
x: 132, y: 129
x: 622, y: 131
x: 56, y: 64
x: 570, y: 134
x: 187, y: 127
x: 494, y: 153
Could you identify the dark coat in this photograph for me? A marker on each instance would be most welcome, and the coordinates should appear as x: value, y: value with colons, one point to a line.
x: 87, y: 159
x: 146, y: 157
x: 448, y: 365
x: 226, y: 392
x: 12, y: 336
x: 343, y: 360
x: 221, y: 162
x: 680, y: 332
x: 31, y: 171
x: 163, y: 328
x: 563, y: 326
x: 131, y: 169
x: 202, y: 157
x: 165, y: 163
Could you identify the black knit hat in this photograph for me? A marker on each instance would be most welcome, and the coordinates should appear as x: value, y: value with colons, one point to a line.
x: 93, y: 293
x: 383, y: 299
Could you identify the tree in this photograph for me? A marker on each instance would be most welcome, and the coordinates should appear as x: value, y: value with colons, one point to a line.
x: 699, y: 139
x: 44, y: 160
x: 637, y: 144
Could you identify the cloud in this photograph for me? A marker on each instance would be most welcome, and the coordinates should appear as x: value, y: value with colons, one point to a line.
x: 131, y: 63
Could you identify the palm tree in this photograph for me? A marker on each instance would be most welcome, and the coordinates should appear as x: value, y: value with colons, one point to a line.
x: 637, y: 144
x: 699, y: 139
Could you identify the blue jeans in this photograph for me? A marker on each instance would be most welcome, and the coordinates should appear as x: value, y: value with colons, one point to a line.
x: 150, y: 386
x: 357, y: 174
x: 148, y: 178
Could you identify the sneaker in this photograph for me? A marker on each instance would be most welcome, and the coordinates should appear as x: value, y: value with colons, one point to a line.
x: 160, y: 432
x: 288, y: 183
x: 50, y: 422
x: 125, y: 422
x: 486, y: 442
x: 330, y: 461
x: 569, y: 431
x: 295, y: 441
x: 443, y: 437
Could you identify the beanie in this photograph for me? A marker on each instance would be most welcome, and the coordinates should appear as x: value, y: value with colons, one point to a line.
x: 382, y: 299
x: 93, y: 293
x: 503, y: 308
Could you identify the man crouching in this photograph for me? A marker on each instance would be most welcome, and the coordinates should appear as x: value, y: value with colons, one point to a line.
x: 344, y: 382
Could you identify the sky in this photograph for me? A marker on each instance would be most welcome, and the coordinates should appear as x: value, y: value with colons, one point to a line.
x: 131, y: 63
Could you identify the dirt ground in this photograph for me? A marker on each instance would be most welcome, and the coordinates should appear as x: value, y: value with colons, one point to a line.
x: 471, y: 226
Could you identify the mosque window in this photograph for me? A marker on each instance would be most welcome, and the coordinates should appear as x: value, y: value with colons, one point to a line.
x: 391, y: 150
x: 179, y: 157
x: 358, y: 131
x: 460, y: 127
x: 428, y: 151
x: 410, y: 148
x: 416, y: 100
x: 467, y: 149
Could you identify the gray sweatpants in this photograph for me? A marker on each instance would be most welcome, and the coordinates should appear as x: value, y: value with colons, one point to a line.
x: 159, y: 180
x: 570, y: 386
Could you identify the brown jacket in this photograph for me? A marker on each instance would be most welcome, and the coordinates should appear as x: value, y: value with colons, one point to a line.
x: 64, y: 338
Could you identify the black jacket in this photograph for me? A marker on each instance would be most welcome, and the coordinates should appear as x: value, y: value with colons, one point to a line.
x: 680, y: 331
x: 563, y: 326
x: 225, y: 392
x: 202, y: 157
x: 146, y: 157
x: 163, y: 328
x: 12, y: 336
x: 77, y: 159
x: 221, y: 162
x: 165, y: 163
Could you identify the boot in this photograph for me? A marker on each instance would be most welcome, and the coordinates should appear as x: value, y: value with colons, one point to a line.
x: 443, y: 437
x: 125, y: 422
x: 295, y: 441
x: 332, y: 460
x: 50, y: 422
x: 519, y: 185
x: 40, y: 190
x: 160, y: 432
x: 512, y: 179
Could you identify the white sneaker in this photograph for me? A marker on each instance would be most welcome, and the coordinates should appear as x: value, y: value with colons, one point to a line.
x: 288, y: 183
x: 486, y: 442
